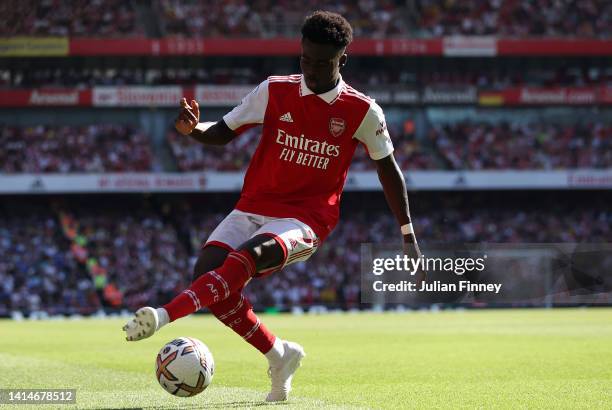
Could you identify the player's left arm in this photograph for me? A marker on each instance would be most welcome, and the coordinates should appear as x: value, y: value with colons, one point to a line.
x: 394, y: 187
x: 374, y: 135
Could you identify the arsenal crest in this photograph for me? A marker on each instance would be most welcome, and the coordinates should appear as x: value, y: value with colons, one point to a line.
x: 336, y: 126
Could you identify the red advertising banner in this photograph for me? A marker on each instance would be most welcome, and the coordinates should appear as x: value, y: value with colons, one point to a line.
x: 543, y: 96
x: 605, y: 94
x: 398, y: 47
x: 137, y: 96
x: 231, y: 95
x: 452, y: 46
x: 15, y: 98
x: 243, y: 47
x: 554, y: 46
x: 47, y: 97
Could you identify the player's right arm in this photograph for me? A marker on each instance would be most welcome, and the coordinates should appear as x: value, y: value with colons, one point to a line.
x: 248, y: 113
x: 188, y: 123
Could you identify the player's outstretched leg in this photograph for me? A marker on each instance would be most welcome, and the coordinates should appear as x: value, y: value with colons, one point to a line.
x: 212, y: 287
x: 283, y: 357
x: 145, y: 322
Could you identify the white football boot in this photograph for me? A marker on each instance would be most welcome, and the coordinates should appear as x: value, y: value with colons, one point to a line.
x: 282, y: 374
x: 144, y: 323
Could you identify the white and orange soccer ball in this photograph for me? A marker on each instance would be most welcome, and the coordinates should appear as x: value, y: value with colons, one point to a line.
x: 184, y: 367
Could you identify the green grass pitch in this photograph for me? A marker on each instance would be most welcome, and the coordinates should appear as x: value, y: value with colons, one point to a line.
x: 454, y: 359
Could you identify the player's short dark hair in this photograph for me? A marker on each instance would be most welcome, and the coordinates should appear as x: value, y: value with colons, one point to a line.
x: 326, y: 27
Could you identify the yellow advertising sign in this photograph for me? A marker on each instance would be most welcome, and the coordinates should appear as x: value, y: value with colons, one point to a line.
x: 33, y: 46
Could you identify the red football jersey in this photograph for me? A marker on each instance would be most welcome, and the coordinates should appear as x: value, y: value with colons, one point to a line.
x: 307, y: 143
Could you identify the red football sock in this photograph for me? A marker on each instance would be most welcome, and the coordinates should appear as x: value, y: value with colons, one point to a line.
x: 236, y: 313
x: 214, y: 286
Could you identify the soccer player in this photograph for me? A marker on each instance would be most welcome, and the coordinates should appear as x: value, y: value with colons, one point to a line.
x: 312, y: 124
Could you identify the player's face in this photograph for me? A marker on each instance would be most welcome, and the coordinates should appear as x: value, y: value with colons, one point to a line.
x: 320, y: 64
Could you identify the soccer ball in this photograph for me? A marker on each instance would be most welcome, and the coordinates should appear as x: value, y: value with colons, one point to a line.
x: 184, y: 367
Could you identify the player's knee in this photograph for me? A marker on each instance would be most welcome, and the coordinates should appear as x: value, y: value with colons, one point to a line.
x: 211, y: 257
x: 254, y: 250
x: 265, y: 251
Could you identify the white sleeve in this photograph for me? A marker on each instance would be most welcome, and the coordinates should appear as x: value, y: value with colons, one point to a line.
x: 251, y: 109
x: 374, y: 134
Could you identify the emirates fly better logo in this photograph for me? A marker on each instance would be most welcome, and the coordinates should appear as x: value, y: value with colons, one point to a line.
x: 336, y: 126
x: 305, y: 151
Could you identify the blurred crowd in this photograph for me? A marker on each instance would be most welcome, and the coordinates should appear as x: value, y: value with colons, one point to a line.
x: 386, y: 18
x: 467, y: 145
x: 410, y: 153
x: 456, y: 146
x: 193, y: 156
x: 92, y: 148
x: 265, y: 18
x: 331, y: 276
x: 137, y: 257
x: 490, y: 77
x: 515, y: 18
x: 462, y: 145
x: 137, y: 253
x: 359, y: 73
x: 37, y: 269
x: 89, y: 77
x: 79, y: 259
x: 75, y: 18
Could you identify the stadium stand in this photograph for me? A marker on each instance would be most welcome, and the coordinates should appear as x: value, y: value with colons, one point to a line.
x: 191, y: 156
x: 388, y: 18
x: 455, y: 146
x: 100, y: 18
x: 82, y: 77
x: 265, y: 19
x: 362, y: 73
x: 72, y: 254
x: 517, y: 18
x: 64, y: 149
x: 465, y: 145
x: 61, y: 257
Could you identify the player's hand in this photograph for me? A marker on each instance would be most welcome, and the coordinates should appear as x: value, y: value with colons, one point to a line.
x: 188, y: 118
x: 411, y: 249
